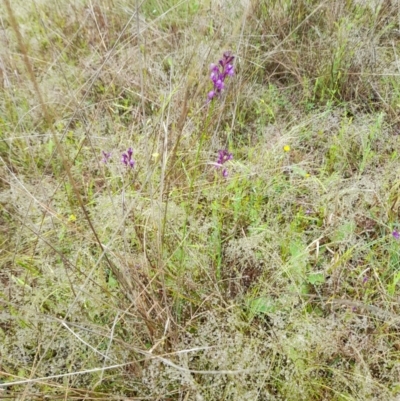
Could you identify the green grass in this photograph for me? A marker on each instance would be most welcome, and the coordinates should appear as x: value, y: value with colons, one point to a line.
x: 168, y: 281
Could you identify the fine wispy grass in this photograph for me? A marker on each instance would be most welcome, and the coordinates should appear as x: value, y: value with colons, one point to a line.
x: 164, y: 238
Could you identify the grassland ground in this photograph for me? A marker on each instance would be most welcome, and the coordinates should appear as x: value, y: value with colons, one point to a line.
x: 174, y: 232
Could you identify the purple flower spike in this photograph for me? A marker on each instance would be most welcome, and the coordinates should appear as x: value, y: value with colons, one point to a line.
x: 106, y: 156
x: 219, y: 72
x: 127, y: 158
x: 396, y: 234
x: 223, y: 157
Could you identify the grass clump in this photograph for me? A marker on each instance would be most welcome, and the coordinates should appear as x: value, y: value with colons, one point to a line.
x: 175, y: 231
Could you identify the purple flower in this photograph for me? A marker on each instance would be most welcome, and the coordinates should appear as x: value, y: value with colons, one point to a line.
x: 396, y: 234
x: 223, y: 157
x: 219, y: 85
x: 229, y: 70
x: 211, y: 94
x: 219, y: 72
x: 127, y: 158
x: 106, y: 156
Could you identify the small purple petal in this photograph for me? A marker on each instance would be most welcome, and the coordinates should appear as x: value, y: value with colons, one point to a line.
x: 106, y: 156
x: 228, y: 57
x: 396, y: 234
x: 229, y: 70
x: 225, y: 173
x: 219, y: 85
